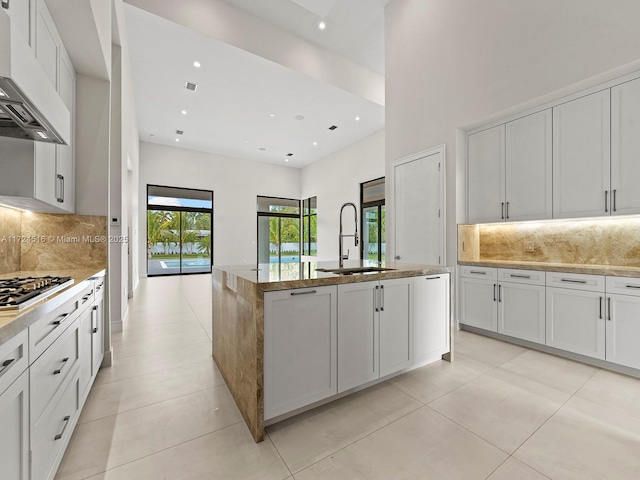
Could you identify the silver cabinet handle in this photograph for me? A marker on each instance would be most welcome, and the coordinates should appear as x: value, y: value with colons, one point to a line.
x: 600, y: 308
x: 99, y: 287
x: 499, y: 293
x: 507, y: 210
x: 606, y: 196
x: 519, y: 276
x: 87, y: 296
x: 94, y: 310
x: 494, y: 292
x: 567, y: 280
x: 477, y: 272
x: 60, y: 319
x: 609, y: 308
x: 59, y: 371
x: 308, y: 292
x: 614, y: 201
x: 382, y: 298
x: 6, y: 364
x: 376, y: 299
x: 60, y: 181
x: 435, y: 278
x: 633, y: 286
x: 66, y: 422
x: 502, y: 210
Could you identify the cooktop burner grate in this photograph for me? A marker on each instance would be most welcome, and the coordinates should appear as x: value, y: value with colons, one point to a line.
x: 16, y: 293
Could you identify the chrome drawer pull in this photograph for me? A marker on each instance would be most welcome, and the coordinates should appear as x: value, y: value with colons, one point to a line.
x: 382, y: 298
x: 87, y: 296
x: 61, y: 317
x: 59, y: 371
x: 432, y: 278
x: 519, y: 276
x: 633, y: 286
x: 310, y: 292
x: 94, y: 309
x: 600, y: 308
x: 6, y: 364
x: 479, y: 273
x: 573, y: 281
x: 66, y: 422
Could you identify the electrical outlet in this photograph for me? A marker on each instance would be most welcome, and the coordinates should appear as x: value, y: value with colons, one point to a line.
x: 529, y: 247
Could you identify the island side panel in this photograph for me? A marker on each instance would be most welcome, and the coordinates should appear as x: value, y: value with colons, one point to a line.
x: 238, y: 334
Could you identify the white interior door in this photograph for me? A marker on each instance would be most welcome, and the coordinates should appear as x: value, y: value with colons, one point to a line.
x: 418, y: 206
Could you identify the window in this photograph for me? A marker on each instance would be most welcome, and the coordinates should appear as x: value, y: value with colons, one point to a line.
x: 373, y: 215
x: 278, y: 230
x: 310, y: 226
x: 179, y: 230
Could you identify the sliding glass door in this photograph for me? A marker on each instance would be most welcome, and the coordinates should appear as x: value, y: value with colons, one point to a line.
x: 278, y: 230
x: 373, y: 220
x: 179, y: 231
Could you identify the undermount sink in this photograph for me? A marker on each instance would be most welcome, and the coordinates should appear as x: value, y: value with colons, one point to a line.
x: 352, y: 270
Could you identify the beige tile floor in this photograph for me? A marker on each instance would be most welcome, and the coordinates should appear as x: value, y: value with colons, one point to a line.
x: 499, y: 412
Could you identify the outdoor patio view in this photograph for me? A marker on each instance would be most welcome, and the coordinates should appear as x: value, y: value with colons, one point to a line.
x: 373, y: 214
x: 179, y: 229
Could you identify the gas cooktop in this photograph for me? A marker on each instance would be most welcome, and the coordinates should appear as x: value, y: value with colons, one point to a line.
x: 17, y: 293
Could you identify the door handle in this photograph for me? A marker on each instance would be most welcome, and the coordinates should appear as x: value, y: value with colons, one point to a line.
x: 60, y: 197
x: 499, y: 293
x: 59, y: 371
x: 507, y: 210
x: 614, y: 201
x: 600, y: 308
x: 61, y: 319
x: 519, y: 276
x: 502, y: 210
x: 66, y: 422
x: 6, y: 364
x: 397, y: 257
x: 609, y: 307
x: 382, y: 297
x: 376, y: 299
x: 606, y: 196
x: 94, y: 310
x: 494, y: 292
x: 309, y: 292
x: 435, y: 278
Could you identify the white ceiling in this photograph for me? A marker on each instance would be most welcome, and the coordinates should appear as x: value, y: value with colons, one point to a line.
x: 355, y: 28
x: 229, y: 114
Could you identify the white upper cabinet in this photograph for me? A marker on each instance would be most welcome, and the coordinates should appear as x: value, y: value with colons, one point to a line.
x: 581, y: 157
x: 47, y: 43
x: 625, y: 148
x: 486, y: 169
x: 529, y: 168
x: 22, y: 14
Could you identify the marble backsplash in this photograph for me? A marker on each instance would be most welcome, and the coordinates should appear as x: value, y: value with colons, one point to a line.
x: 607, y: 241
x: 44, y: 241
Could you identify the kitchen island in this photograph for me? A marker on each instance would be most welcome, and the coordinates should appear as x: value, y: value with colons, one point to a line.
x: 257, y: 313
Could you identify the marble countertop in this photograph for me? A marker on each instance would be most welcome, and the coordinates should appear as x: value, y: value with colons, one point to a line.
x: 612, y: 270
x: 13, y: 322
x: 282, y: 276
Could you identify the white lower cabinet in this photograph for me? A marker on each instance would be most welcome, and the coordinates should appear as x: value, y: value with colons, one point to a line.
x: 623, y: 321
x: 576, y: 317
x: 478, y: 290
x: 300, y: 343
x: 396, y: 325
x: 14, y: 430
x: 431, y: 335
x: 521, y: 304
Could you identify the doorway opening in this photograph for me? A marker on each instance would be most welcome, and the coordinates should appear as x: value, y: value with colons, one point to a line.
x: 278, y: 230
x: 373, y: 218
x: 179, y: 231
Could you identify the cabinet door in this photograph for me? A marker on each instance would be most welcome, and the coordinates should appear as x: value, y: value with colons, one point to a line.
x: 47, y: 187
x: 358, y: 334
x: 575, y: 321
x: 529, y: 168
x: 581, y: 157
x: 486, y: 167
x: 97, y: 350
x: 47, y: 43
x: 300, y: 344
x: 430, y: 317
x: 396, y: 325
x: 64, y: 178
x: 22, y: 14
x: 623, y: 330
x: 521, y: 311
x: 14, y: 439
x: 479, y: 306
x: 625, y: 148
x: 85, y: 334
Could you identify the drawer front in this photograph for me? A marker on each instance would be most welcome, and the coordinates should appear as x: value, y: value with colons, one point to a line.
x: 14, y: 359
x: 530, y: 277
x: 576, y: 281
x: 87, y: 295
x: 50, y: 441
x: 51, y: 370
x: 46, y: 330
x: 99, y: 287
x: 623, y: 285
x: 487, y: 273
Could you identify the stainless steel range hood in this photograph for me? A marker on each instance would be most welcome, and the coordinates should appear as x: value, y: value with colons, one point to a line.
x: 30, y: 107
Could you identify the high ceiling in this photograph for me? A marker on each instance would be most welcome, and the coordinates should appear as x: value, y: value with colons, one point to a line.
x: 245, y: 106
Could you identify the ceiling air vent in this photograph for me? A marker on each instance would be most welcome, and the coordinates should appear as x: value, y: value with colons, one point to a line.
x: 191, y: 86
x: 179, y: 132
x: 333, y: 127
x: 289, y: 154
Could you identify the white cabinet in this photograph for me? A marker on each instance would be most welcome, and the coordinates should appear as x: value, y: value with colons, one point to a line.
x: 396, y: 325
x: 374, y: 330
x: 47, y: 43
x: 625, y: 148
x: 521, y: 304
x: 300, y: 343
x: 431, y: 318
x: 14, y: 439
x: 529, y: 168
x: 581, y: 157
x: 575, y: 314
x: 22, y: 15
x: 479, y: 300
x: 486, y: 171
x: 623, y: 321
x: 36, y: 176
x: 358, y: 334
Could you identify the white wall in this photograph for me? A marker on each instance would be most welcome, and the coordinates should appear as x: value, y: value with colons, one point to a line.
x: 235, y: 183
x: 336, y: 180
x: 452, y: 64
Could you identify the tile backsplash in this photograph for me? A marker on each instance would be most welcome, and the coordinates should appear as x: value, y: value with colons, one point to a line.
x: 606, y: 241
x: 43, y: 241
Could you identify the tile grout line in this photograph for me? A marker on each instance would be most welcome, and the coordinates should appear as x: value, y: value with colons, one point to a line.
x: 279, y: 454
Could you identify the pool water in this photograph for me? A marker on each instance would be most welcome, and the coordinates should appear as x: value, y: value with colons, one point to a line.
x: 186, y: 263
x: 284, y: 259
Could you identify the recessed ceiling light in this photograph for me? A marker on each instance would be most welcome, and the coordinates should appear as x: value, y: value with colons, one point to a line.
x: 196, y: 64
x: 177, y: 139
x: 191, y: 86
x: 333, y: 127
x: 322, y: 25
x: 357, y: 119
x: 184, y: 112
x: 272, y: 115
x: 179, y: 132
x: 262, y: 149
x: 289, y: 154
x: 315, y: 143
x: 299, y: 117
